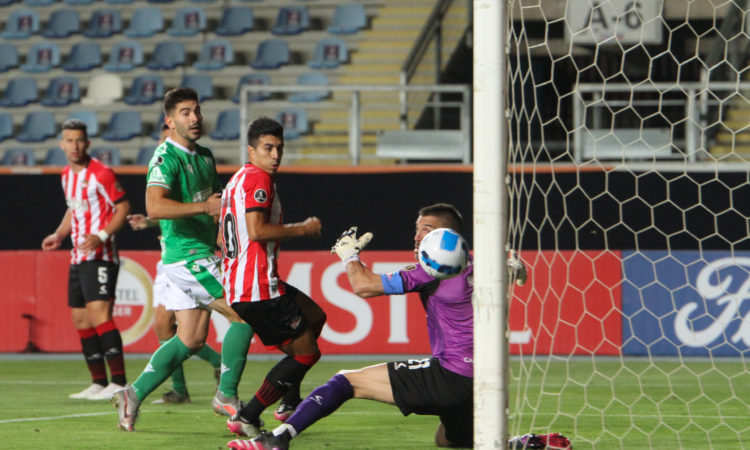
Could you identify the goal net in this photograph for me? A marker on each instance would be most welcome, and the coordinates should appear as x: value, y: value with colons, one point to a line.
x: 629, y: 142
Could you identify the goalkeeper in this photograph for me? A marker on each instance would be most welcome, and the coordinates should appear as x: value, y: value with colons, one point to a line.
x: 441, y: 385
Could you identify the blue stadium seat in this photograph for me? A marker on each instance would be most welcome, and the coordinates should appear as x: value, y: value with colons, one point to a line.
x: 272, y: 54
x: 145, y: 90
x: 291, y: 19
x: 88, y: 117
x: 227, y: 125
x: 202, y: 84
x: 188, y: 21
x: 348, y: 19
x: 204, y: 1
x: 79, y: 2
x: 160, y: 1
x: 18, y: 156
x: 61, y: 91
x: 294, y: 121
x: 62, y: 23
x: 329, y: 54
x: 6, y: 126
x: 252, y: 78
x: 215, y: 55
x: 167, y: 55
x: 104, y: 23
x: 19, y: 92
x: 144, y: 155
x: 109, y: 156
x: 37, y: 126
x: 55, y: 157
x: 8, y: 57
x: 123, y: 125
x: 124, y: 57
x: 156, y: 134
x: 310, y: 79
x: 145, y: 22
x: 83, y: 57
x: 235, y: 20
x: 7, y: 2
x: 33, y: 3
x: 21, y: 24
x: 42, y: 57
x: 119, y: 2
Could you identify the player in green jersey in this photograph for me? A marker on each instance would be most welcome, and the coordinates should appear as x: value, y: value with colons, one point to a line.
x: 183, y: 191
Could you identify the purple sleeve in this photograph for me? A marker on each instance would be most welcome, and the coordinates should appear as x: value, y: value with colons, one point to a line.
x: 409, y: 279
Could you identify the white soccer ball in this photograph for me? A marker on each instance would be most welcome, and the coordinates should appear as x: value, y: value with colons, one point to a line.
x: 443, y: 253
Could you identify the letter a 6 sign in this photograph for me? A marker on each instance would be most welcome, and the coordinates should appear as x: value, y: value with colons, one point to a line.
x: 613, y: 21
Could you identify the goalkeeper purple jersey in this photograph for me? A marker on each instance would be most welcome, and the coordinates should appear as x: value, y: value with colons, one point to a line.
x: 450, y: 315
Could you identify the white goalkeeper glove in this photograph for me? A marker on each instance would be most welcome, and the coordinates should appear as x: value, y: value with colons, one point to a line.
x: 348, y: 246
x: 517, y: 269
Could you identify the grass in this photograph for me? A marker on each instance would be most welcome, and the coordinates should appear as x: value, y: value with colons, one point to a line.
x: 599, y: 403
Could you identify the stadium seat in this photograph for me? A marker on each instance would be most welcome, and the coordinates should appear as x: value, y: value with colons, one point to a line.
x: 156, y: 133
x: 145, y: 22
x: 161, y: 1
x: 291, y: 20
x: 107, y: 155
x: 215, y: 55
x: 6, y: 126
x: 188, y: 21
x: 348, y: 19
x: 329, y: 53
x: 8, y: 57
x: 123, y: 125
x: 21, y: 24
x: 145, y: 90
x: 61, y: 91
x: 227, y: 125
x: 294, y: 121
x: 119, y: 2
x: 310, y: 79
x: 235, y: 20
x: 144, y: 155
x: 167, y: 55
x: 103, y: 89
x: 104, y: 23
x: 62, y: 23
x: 33, y: 3
x: 83, y: 57
x: 18, y: 156
x: 42, y: 57
x: 79, y: 2
x: 88, y: 117
x: 7, y: 2
x: 204, y: 1
x: 19, y: 92
x: 124, y: 57
x: 202, y: 84
x: 252, y: 78
x: 37, y: 126
x: 272, y: 54
x: 55, y: 157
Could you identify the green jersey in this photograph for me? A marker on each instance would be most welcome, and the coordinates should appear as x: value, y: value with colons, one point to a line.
x: 190, y: 177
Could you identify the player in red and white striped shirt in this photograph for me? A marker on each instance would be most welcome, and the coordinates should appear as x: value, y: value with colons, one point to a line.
x: 97, y: 208
x: 282, y: 316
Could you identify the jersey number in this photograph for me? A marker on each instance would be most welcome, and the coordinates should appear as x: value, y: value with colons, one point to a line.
x: 229, y: 236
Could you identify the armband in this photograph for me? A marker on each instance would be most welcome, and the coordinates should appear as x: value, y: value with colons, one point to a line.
x: 103, y: 235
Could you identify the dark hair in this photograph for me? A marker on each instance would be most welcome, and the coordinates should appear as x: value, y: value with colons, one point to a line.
x: 75, y: 124
x: 447, y: 213
x: 177, y: 95
x: 261, y: 126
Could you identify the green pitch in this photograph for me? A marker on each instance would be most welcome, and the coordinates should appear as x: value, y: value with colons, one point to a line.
x: 602, y: 403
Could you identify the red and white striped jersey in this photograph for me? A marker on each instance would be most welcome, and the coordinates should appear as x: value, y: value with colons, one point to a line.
x: 91, y: 195
x: 250, y: 271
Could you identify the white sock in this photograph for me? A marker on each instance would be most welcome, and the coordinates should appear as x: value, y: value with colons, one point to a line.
x: 278, y: 431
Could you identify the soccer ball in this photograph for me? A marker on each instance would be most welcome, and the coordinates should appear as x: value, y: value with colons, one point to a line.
x: 443, y: 253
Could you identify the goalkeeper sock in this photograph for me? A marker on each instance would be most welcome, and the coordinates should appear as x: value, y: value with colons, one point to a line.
x: 178, y: 378
x: 93, y: 354
x: 111, y: 342
x: 163, y: 362
x: 234, y: 356
x: 321, y: 402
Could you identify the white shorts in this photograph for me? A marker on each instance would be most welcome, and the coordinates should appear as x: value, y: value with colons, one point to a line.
x: 161, y: 286
x: 192, y: 285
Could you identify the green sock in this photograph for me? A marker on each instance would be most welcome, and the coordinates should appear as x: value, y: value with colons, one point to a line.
x: 163, y: 362
x: 178, y: 378
x: 234, y: 356
x: 209, y: 355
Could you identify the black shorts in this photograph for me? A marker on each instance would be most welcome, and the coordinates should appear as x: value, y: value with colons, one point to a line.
x: 423, y: 386
x: 276, y: 321
x: 91, y: 280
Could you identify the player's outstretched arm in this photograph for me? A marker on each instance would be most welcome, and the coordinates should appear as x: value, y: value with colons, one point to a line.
x: 260, y: 229
x: 53, y: 241
x: 160, y: 206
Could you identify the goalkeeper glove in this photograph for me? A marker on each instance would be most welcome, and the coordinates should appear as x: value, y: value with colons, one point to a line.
x: 348, y: 246
x: 517, y: 269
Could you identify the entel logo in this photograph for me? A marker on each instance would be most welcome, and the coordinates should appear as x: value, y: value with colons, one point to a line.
x: 719, y: 293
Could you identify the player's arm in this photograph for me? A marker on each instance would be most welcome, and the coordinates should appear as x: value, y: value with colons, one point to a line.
x: 119, y: 217
x: 55, y: 239
x: 365, y: 283
x: 260, y: 229
x: 160, y: 206
x: 141, y: 222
